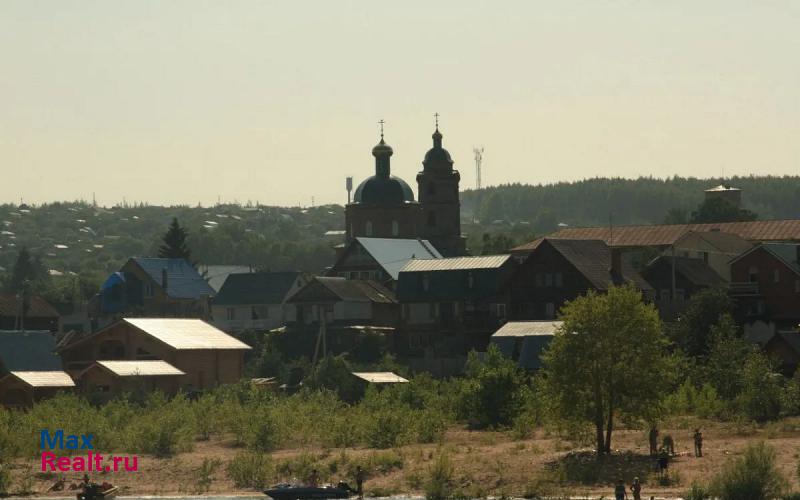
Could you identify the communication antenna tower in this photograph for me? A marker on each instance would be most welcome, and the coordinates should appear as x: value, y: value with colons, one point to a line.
x: 348, y: 184
x: 478, y: 160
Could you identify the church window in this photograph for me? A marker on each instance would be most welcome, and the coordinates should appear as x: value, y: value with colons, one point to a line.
x: 395, y: 228
x: 432, y: 219
x: 368, y: 228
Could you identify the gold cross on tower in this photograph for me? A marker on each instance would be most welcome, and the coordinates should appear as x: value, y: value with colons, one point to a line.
x: 381, y: 124
x: 436, y: 115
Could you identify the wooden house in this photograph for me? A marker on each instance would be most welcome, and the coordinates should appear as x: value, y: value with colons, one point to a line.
x: 207, y: 356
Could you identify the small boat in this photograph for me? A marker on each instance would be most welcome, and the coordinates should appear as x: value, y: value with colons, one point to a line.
x: 98, y: 493
x: 293, y: 492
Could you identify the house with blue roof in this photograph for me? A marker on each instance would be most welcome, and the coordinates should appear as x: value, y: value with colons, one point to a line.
x: 149, y: 286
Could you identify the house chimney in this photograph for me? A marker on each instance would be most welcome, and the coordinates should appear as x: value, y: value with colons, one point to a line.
x: 164, y: 281
x: 616, y: 263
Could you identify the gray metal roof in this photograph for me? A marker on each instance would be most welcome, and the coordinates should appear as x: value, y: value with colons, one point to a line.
x: 140, y: 368
x: 456, y: 263
x: 28, y: 351
x: 217, y: 275
x: 393, y: 254
x: 528, y: 328
x: 44, y: 379
x: 186, y: 333
x: 381, y: 377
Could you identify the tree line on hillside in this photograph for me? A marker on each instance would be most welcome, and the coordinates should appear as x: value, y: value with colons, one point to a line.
x: 645, y: 200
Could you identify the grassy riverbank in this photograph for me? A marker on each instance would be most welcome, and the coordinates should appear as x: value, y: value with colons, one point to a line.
x: 477, y: 463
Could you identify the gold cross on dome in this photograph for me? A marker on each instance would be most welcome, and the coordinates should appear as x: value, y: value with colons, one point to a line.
x: 381, y: 124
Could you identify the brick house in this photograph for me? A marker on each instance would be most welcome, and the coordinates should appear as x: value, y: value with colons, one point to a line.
x: 676, y: 279
x: 557, y: 271
x: 207, y: 356
x: 765, y: 282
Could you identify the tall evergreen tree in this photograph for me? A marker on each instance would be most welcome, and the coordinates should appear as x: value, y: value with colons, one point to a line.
x: 27, y: 268
x: 174, y: 246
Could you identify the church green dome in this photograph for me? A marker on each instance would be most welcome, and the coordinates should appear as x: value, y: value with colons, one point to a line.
x: 437, y: 156
x: 381, y: 191
x: 383, y: 188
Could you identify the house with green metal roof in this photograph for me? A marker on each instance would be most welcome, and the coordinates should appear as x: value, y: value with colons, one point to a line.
x: 453, y: 305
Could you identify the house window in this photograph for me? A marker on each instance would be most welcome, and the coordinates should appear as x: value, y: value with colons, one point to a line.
x: 368, y: 228
x: 776, y: 276
x: 230, y: 313
x: 148, y: 290
x: 550, y: 310
x: 253, y: 312
x: 353, y: 275
x: 470, y: 280
x: 143, y: 354
x: 537, y: 279
x: 432, y: 219
x: 548, y: 279
x: 752, y: 274
x: 559, y: 280
x: 499, y: 310
x: 395, y: 228
x: 426, y: 282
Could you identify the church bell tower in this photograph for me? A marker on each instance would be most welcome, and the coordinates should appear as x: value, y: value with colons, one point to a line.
x: 438, y: 194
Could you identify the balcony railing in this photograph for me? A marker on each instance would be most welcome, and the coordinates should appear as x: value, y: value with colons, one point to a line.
x: 743, y: 288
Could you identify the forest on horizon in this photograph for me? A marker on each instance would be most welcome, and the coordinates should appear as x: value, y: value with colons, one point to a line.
x: 79, y: 244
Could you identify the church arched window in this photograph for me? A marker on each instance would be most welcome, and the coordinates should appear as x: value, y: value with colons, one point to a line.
x: 368, y: 228
x: 395, y: 228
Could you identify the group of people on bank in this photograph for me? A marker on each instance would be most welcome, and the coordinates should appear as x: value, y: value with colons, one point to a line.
x: 662, y: 455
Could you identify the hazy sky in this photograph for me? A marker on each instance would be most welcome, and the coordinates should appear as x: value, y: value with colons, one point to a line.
x: 185, y: 101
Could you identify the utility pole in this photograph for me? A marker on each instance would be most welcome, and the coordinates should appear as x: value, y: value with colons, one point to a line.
x: 478, y: 161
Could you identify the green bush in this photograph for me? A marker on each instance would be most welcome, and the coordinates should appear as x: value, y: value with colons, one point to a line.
x: 250, y: 470
x: 387, y: 429
x: 264, y: 433
x: 430, y: 426
x: 697, y: 492
x: 760, y: 399
x: 439, y: 484
x: 752, y: 476
x: 5, y: 478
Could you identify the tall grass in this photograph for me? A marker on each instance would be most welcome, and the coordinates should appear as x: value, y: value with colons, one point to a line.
x: 752, y: 476
x: 253, y: 419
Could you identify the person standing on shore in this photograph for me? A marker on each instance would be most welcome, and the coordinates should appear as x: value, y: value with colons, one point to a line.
x: 636, y: 489
x: 619, y: 491
x: 653, y: 436
x: 698, y: 443
x: 360, y: 482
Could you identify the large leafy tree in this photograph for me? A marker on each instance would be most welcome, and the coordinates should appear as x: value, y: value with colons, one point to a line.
x: 608, y: 360
x: 721, y: 210
x: 692, y: 331
x: 174, y: 243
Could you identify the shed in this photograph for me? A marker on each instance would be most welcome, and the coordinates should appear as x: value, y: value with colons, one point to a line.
x: 23, y: 388
x: 525, y: 341
x: 110, y: 378
x: 381, y: 377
